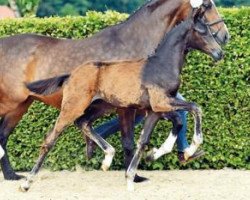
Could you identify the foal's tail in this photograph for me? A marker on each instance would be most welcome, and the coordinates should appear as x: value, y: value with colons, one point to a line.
x: 47, y: 86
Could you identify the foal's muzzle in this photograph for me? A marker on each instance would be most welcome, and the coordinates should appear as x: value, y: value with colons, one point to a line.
x: 217, y: 54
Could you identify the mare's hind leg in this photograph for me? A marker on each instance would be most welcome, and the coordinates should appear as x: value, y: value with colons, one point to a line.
x: 7, y: 124
x: 149, y: 125
x: 168, y: 145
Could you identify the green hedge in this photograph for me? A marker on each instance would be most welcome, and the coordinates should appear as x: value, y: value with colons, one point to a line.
x: 221, y: 89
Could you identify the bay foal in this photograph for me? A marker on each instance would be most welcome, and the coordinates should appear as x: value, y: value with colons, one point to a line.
x: 149, y: 84
x: 43, y: 57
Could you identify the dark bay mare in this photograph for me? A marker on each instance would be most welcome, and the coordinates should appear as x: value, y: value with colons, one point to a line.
x: 26, y: 58
x: 150, y: 84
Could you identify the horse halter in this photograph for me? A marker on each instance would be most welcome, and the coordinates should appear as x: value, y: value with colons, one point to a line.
x: 206, y: 7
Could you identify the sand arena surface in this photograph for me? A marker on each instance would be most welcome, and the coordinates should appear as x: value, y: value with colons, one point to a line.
x: 173, y: 185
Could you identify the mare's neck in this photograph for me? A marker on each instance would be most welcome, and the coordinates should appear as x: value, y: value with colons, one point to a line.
x: 147, y: 27
x: 142, y: 31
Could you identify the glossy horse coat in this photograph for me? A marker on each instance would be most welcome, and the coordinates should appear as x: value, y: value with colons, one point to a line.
x: 26, y: 58
x: 149, y: 84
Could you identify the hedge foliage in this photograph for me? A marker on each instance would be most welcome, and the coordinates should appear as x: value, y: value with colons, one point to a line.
x: 221, y: 89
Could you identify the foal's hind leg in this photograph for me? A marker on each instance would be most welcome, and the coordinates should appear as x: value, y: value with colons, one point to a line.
x: 97, y: 109
x: 103, y: 144
x: 71, y: 110
x: 7, y: 124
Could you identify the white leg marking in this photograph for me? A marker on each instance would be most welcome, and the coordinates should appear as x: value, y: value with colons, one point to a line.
x: 1, y: 152
x: 130, y: 174
x: 24, y: 187
x: 197, y: 140
x: 109, y: 154
x: 130, y: 185
x: 166, y: 147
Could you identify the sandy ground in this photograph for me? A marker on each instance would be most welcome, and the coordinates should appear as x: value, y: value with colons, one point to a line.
x: 181, y: 185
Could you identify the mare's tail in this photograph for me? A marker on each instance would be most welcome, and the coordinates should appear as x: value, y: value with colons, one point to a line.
x: 47, y: 86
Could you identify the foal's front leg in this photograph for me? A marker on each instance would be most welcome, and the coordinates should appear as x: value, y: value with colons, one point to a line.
x: 168, y: 145
x: 197, y: 114
x: 150, y: 122
x: 127, y: 124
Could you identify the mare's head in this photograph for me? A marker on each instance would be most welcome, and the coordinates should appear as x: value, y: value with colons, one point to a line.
x: 215, y: 22
x: 200, y: 36
x: 209, y: 15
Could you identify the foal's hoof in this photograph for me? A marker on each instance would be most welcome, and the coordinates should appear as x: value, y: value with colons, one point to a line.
x: 140, y: 179
x: 13, y: 177
x: 24, y: 187
x: 104, y: 168
x: 150, y: 157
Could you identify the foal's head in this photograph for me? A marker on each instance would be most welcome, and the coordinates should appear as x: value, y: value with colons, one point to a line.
x: 201, y: 37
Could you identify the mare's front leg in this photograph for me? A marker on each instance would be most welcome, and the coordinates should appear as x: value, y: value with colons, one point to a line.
x: 150, y: 122
x: 7, y: 124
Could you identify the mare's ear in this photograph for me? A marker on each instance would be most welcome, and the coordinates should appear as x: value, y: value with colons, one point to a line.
x: 196, y: 3
x: 196, y: 9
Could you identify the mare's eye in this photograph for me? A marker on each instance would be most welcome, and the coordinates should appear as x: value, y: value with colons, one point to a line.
x: 207, y: 5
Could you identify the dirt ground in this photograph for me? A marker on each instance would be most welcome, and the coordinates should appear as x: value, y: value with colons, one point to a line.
x: 173, y: 185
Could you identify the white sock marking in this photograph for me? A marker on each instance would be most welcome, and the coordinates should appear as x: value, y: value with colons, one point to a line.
x: 166, y: 147
x: 1, y: 152
x: 108, y: 158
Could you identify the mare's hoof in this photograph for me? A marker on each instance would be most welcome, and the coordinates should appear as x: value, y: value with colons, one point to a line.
x: 140, y: 179
x: 13, y: 177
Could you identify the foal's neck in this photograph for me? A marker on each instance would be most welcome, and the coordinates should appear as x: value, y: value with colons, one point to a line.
x: 171, y: 51
x: 164, y: 67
